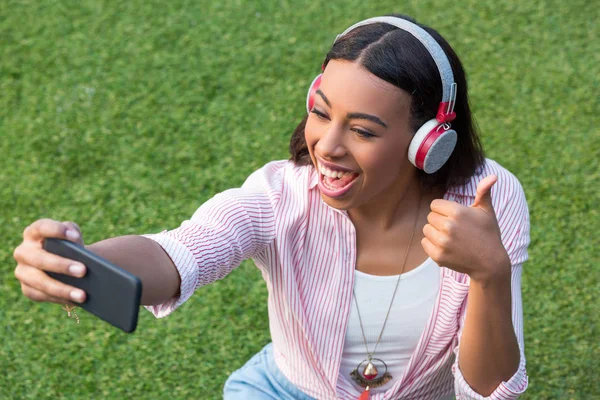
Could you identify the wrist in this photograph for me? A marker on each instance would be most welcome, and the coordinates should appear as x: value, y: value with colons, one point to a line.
x: 497, y: 273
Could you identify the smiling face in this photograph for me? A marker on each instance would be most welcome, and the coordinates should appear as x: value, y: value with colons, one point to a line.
x: 358, y: 135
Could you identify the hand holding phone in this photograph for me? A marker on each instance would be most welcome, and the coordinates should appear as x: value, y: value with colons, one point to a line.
x: 112, y: 293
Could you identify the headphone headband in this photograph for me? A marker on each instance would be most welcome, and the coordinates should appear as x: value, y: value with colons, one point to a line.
x: 432, y: 46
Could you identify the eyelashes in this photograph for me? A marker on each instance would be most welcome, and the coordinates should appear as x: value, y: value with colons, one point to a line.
x: 361, y: 133
x: 318, y: 113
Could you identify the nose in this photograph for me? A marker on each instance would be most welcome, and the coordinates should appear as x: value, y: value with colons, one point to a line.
x: 331, y: 143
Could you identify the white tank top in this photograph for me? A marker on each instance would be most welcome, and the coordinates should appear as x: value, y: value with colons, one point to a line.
x: 410, y: 312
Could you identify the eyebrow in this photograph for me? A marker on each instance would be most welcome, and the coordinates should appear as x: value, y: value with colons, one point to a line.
x: 324, y: 97
x: 368, y: 117
x: 355, y: 115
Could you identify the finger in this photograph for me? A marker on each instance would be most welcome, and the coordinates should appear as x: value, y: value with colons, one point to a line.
x: 483, y: 198
x: 39, y: 280
x: 46, y: 227
x: 436, y: 237
x: 445, y: 207
x: 36, y: 295
x: 430, y: 249
x: 31, y: 255
x: 73, y: 232
x: 438, y: 221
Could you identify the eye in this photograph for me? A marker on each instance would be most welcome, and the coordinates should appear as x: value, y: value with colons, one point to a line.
x: 319, y: 113
x: 363, y: 134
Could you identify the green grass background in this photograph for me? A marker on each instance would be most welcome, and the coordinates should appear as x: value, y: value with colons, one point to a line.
x: 124, y: 116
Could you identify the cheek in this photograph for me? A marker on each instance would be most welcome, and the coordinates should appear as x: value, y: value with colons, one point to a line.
x: 385, y: 159
x: 310, y: 134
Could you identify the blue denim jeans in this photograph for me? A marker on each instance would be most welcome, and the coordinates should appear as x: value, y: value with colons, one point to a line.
x: 260, y: 379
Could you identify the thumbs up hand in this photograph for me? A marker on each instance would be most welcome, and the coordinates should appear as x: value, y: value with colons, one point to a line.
x: 467, y: 239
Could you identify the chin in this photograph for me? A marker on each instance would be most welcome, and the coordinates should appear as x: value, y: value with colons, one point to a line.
x: 338, y: 204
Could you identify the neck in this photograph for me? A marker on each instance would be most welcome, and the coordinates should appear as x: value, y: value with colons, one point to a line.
x: 391, y: 207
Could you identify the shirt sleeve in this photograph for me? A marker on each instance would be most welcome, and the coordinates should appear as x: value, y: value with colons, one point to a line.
x: 513, y: 219
x: 234, y: 225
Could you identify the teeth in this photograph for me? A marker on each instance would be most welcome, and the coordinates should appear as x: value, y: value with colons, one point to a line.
x: 331, y: 173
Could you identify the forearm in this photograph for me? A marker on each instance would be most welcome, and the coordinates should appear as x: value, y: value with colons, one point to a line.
x: 144, y: 258
x: 489, y: 351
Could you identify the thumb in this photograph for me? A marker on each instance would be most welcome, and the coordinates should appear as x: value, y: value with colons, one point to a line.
x: 483, y: 198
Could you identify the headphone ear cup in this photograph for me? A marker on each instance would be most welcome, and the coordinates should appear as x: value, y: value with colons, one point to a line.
x: 310, y: 98
x: 431, y: 146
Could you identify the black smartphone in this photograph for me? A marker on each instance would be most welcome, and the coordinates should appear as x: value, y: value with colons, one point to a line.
x: 113, y: 294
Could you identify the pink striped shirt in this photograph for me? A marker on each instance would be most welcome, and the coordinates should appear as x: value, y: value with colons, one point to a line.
x: 306, y: 252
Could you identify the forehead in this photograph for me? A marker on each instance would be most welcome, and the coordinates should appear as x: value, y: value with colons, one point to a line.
x: 351, y: 88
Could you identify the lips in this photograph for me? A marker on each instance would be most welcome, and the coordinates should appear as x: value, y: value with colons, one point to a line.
x: 334, y: 180
x: 331, y: 166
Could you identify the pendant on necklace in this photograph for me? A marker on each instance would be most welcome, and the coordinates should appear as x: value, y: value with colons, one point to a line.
x: 369, y: 375
x: 370, y: 371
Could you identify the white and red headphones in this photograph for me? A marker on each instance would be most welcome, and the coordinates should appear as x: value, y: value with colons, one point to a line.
x: 434, y: 141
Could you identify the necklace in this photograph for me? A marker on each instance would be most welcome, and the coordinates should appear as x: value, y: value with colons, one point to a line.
x: 370, y: 376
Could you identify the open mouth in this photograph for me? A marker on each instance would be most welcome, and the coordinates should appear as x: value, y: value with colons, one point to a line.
x: 335, y: 183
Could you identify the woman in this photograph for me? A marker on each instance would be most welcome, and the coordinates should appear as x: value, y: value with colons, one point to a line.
x: 370, y: 239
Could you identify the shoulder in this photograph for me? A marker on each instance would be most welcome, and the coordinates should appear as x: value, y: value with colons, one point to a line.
x: 507, y: 189
x: 507, y: 186
x: 508, y: 196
